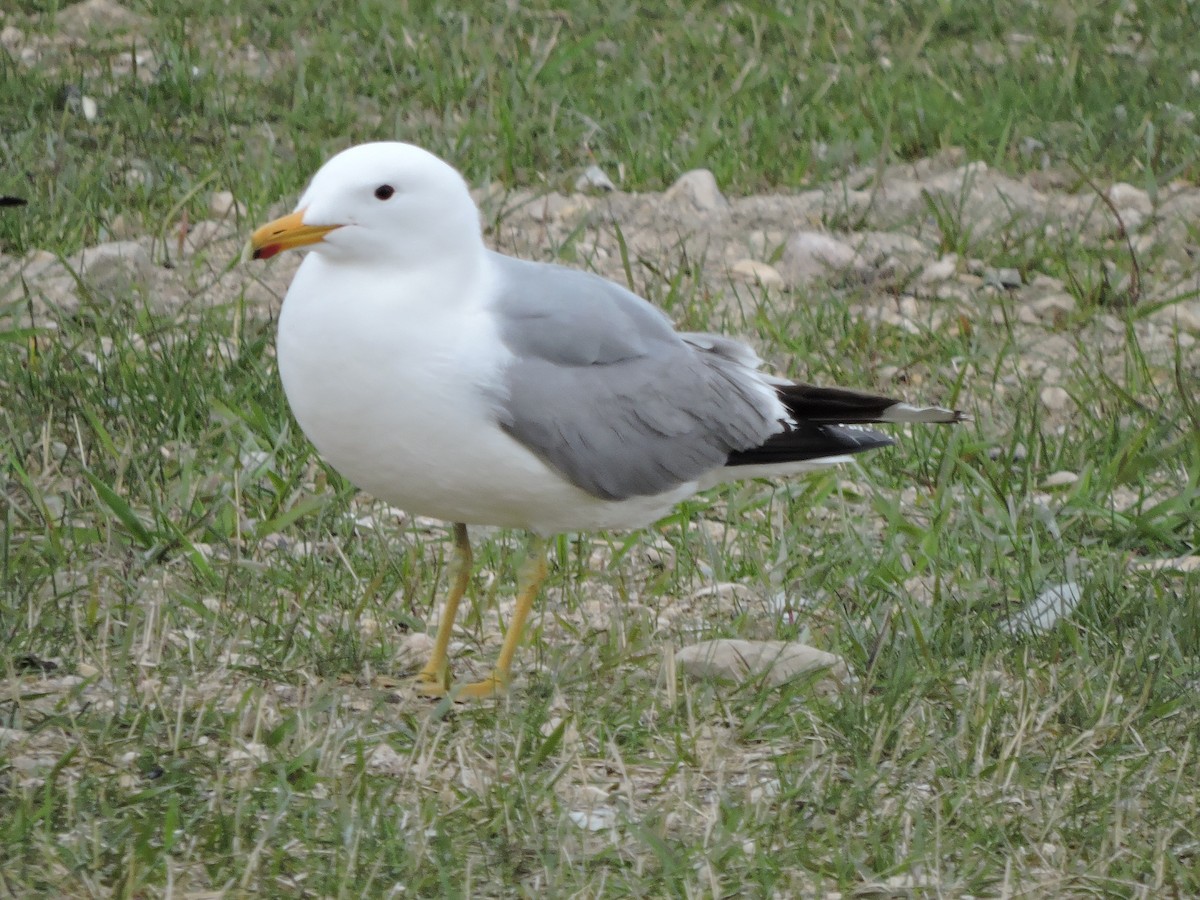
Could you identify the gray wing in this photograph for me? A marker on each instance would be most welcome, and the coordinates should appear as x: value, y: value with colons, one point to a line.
x: 604, y: 390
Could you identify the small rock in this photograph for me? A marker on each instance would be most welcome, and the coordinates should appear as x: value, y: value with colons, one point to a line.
x: 386, y: 761
x: 760, y: 272
x: 40, y: 263
x: 659, y: 555
x: 1182, y: 316
x: 594, y: 178
x: 548, y: 208
x: 206, y: 232
x: 221, y: 205
x: 1059, y: 480
x: 55, y: 507
x: 739, y: 661
x: 1003, y: 278
x: 122, y: 227
x: 138, y: 174
x: 814, y: 254
x: 1170, y: 564
x: 93, y: 17
x: 29, y: 765
x: 879, y: 245
x: 728, y: 594
x: 1046, y: 610
x: 71, y: 99
x: 250, y: 753
x: 1018, y: 453
x: 1055, y: 399
x: 11, y: 735
x: 414, y: 650
x: 1054, y: 307
x: 1033, y: 149
x: 114, y: 266
x: 939, y: 269
x: 1046, y: 284
x: 764, y: 243
x: 1056, y: 348
x: 598, y: 818
x: 697, y: 188
x: 1125, y: 197
x: 954, y: 291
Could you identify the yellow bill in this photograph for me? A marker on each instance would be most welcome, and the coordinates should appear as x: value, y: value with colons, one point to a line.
x: 285, y: 233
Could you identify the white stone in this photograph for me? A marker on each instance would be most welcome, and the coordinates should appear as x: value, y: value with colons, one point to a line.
x: 386, y: 761
x: 203, y: 233
x: 740, y: 660
x: 1057, y: 348
x: 598, y: 818
x: 11, y: 735
x: 814, y: 254
x: 414, y: 650
x: 1184, y: 316
x: 114, y: 266
x: 1046, y: 610
x: 1054, y: 307
x: 1055, y: 399
x: 222, y: 205
x: 698, y: 189
x: 1126, y: 197
x: 1027, y: 316
x: 1059, y: 480
x: 40, y: 263
x: 97, y: 17
x: 594, y: 178
x: 939, y: 270
x: 758, y: 272
x: 878, y: 245
x: 137, y: 174
x: 1046, y: 284
x: 1003, y: 278
x: 548, y: 208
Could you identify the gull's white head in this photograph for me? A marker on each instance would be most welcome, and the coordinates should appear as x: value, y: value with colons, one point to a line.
x: 386, y: 203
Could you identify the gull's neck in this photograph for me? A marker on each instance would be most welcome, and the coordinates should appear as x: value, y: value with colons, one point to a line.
x: 450, y: 275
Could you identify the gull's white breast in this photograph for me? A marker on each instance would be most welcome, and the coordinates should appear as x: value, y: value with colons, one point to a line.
x: 395, y: 380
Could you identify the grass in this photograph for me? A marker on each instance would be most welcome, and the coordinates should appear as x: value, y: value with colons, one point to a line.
x: 203, y: 626
x: 252, y: 102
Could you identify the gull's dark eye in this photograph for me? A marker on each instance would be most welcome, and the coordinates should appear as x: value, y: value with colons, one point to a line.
x: 384, y: 192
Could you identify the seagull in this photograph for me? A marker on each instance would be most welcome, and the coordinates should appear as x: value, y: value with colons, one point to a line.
x: 480, y: 389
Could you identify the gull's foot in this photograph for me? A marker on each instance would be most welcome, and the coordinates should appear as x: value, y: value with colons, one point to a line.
x: 432, y: 682
x: 478, y: 690
x: 437, y: 685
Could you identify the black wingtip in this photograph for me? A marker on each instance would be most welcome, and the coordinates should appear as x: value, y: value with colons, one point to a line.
x: 13, y: 201
x: 807, y: 441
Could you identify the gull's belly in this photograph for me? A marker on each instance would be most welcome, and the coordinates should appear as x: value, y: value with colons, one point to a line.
x: 435, y: 454
x: 413, y: 422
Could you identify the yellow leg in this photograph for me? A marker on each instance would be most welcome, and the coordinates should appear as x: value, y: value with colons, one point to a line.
x: 533, y: 573
x: 434, y: 678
